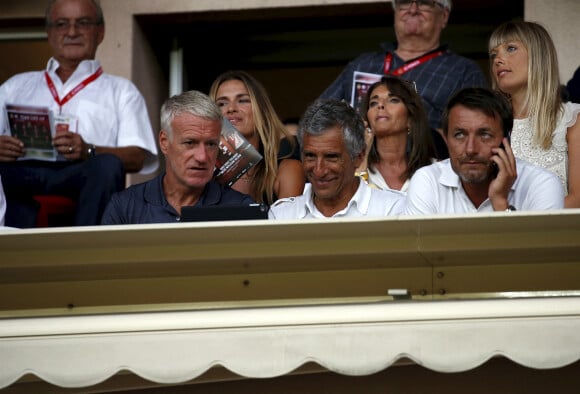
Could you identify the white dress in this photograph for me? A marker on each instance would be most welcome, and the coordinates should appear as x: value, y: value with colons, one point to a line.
x: 555, y: 158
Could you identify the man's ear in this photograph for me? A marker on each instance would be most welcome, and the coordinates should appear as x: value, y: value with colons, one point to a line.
x: 163, y: 141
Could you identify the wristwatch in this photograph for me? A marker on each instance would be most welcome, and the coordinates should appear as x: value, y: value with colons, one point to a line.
x: 511, y: 208
x: 91, y: 151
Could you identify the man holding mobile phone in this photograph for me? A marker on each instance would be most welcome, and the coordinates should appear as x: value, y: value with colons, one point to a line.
x: 476, y: 123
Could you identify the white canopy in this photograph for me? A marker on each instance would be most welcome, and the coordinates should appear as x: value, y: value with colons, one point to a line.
x: 351, y: 339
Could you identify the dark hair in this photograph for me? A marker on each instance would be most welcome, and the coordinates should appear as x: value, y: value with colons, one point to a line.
x: 420, y: 145
x: 491, y: 103
x: 326, y: 114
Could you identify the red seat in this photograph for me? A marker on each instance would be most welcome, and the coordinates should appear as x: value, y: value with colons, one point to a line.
x: 55, y: 211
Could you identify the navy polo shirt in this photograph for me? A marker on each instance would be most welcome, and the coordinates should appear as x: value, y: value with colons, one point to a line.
x: 146, y: 202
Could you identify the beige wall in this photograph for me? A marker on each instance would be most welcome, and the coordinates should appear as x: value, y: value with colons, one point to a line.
x: 562, y: 19
x: 22, y: 9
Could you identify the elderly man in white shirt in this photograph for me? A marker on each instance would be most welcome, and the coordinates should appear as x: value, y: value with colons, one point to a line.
x: 102, y: 129
x: 331, y: 137
x: 481, y: 174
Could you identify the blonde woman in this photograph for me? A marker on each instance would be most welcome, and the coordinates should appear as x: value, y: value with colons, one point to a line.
x: 546, y: 131
x: 244, y: 101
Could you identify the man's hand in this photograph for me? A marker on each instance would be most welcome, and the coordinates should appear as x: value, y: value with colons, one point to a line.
x: 70, y: 145
x: 500, y: 187
x: 11, y: 148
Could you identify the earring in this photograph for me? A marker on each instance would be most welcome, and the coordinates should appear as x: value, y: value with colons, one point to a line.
x: 368, y: 130
x: 408, y: 131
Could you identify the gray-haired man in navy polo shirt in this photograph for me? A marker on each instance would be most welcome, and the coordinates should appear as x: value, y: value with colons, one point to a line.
x: 191, y: 125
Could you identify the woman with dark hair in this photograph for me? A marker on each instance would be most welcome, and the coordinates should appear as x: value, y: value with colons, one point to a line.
x: 401, y: 137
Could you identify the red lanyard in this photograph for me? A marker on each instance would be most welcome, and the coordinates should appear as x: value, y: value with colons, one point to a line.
x: 73, y: 92
x: 408, y: 66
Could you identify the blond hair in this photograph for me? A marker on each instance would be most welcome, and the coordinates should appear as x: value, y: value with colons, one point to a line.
x: 543, y: 96
x: 269, y: 127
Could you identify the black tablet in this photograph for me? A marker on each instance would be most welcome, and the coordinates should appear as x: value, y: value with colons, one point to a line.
x: 224, y: 212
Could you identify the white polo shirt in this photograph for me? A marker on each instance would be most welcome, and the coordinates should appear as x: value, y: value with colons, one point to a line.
x: 366, y: 201
x: 437, y: 189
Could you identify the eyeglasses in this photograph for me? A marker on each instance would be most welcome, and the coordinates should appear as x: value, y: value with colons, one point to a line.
x: 80, y: 24
x: 422, y: 5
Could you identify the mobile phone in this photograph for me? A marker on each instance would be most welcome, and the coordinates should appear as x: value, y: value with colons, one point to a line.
x: 494, y: 170
x: 494, y: 167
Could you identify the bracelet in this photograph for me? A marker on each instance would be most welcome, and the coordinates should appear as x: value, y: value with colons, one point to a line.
x: 510, y: 208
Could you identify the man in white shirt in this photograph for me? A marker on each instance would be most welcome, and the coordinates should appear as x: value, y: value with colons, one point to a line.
x: 481, y: 175
x: 332, y: 142
x: 102, y: 126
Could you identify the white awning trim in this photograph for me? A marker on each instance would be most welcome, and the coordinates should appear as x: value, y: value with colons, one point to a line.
x: 175, y: 347
x: 380, y: 312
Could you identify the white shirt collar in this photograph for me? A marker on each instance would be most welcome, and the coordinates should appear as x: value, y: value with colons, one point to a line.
x: 359, y: 201
x: 86, y: 67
